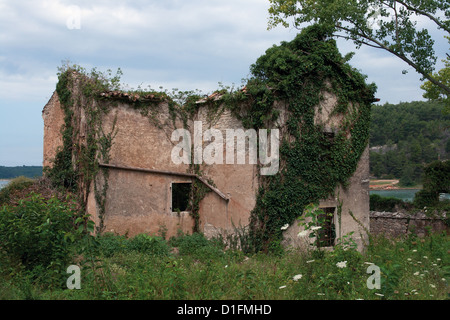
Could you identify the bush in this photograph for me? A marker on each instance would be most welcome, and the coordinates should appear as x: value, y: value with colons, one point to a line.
x: 197, y: 245
x: 38, y: 233
x: 379, y: 203
x: 145, y: 243
x: 111, y: 244
x: 18, y: 183
x: 425, y: 198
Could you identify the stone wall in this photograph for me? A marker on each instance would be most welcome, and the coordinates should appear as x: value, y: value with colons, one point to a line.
x: 395, y: 224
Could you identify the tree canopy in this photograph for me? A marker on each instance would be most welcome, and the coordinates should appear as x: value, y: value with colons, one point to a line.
x: 390, y: 25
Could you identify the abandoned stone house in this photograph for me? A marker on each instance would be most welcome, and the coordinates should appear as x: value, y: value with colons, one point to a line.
x: 148, y: 192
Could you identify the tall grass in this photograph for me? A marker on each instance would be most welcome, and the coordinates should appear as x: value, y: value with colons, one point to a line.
x: 193, y: 267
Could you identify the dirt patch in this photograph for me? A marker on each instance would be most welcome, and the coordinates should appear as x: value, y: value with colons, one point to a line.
x: 384, y: 184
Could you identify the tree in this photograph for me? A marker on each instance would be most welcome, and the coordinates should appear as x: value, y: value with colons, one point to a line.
x: 384, y: 24
x: 436, y: 93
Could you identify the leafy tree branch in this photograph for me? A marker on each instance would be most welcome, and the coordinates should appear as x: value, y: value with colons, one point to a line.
x: 383, y: 24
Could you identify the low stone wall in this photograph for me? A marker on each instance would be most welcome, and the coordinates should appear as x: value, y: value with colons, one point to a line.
x: 395, y: 224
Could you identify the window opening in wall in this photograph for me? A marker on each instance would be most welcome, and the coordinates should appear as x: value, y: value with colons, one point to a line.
x: 181, y: 194
x: 327, y: 234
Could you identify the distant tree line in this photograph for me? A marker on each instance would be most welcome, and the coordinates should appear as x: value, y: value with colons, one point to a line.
x: 406, y: 136
x: 26, y: 171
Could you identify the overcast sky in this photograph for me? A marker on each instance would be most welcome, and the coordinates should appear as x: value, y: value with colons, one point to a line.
x: 187, y: 45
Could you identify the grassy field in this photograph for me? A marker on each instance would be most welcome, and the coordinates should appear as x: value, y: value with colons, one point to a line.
x: 192, y: 267
x: 40, y: 237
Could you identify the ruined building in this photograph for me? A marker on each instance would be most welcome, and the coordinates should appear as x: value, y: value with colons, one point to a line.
x: 116, y: 149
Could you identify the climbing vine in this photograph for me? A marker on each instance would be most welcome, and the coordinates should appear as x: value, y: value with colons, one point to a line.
x: 312, y: 163
x: 296, y: 74
x: 76, y: 164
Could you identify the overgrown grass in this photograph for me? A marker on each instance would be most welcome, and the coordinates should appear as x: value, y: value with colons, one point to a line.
x: 192, y: 267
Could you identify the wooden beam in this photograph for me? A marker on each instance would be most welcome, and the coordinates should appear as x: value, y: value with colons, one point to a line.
x: 172, y: 173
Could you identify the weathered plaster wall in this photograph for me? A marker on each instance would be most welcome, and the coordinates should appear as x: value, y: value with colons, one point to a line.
x: 139, y: 202
x: 53, y: 116
x: 238, y: 181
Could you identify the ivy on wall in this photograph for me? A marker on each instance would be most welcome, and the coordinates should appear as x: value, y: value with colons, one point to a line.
x: 76, y: 164
x: 313, y: 163
x: 296, y: 73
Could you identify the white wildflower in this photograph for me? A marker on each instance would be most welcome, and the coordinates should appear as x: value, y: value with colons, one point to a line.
x: 297, y: 277
x: 414, y: 250
x: 409, y: 259
x: 302, y: 234
x: 425, y: 257
x: 432, y: 285
x: 416, y: 273
x: 341, y: 264
x: 285, y: 227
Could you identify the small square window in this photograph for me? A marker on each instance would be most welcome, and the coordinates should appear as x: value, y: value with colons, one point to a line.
x: 181, y: 194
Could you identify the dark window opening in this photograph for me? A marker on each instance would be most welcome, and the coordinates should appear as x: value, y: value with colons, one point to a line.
x: 329, y: 136
x: 326, y: 234
x: 181, y: 194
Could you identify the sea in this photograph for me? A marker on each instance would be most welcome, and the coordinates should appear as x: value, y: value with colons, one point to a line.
x: 3, y: 183
x: 404, y: 194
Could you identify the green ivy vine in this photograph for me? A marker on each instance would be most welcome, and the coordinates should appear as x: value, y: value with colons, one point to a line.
x: 312, y: 164
x: 297, y: 73
x: 76, y: 164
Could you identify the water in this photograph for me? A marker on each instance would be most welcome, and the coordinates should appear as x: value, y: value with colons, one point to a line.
x: 404, y: 194
x: 3, y: 183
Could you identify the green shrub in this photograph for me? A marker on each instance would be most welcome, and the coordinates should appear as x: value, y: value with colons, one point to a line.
x: 197, y: 245
x: 37, y: 232
x: 425, y: 198
x: 111, y: 244
x: 147, y: 244
x: 379, y: 203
